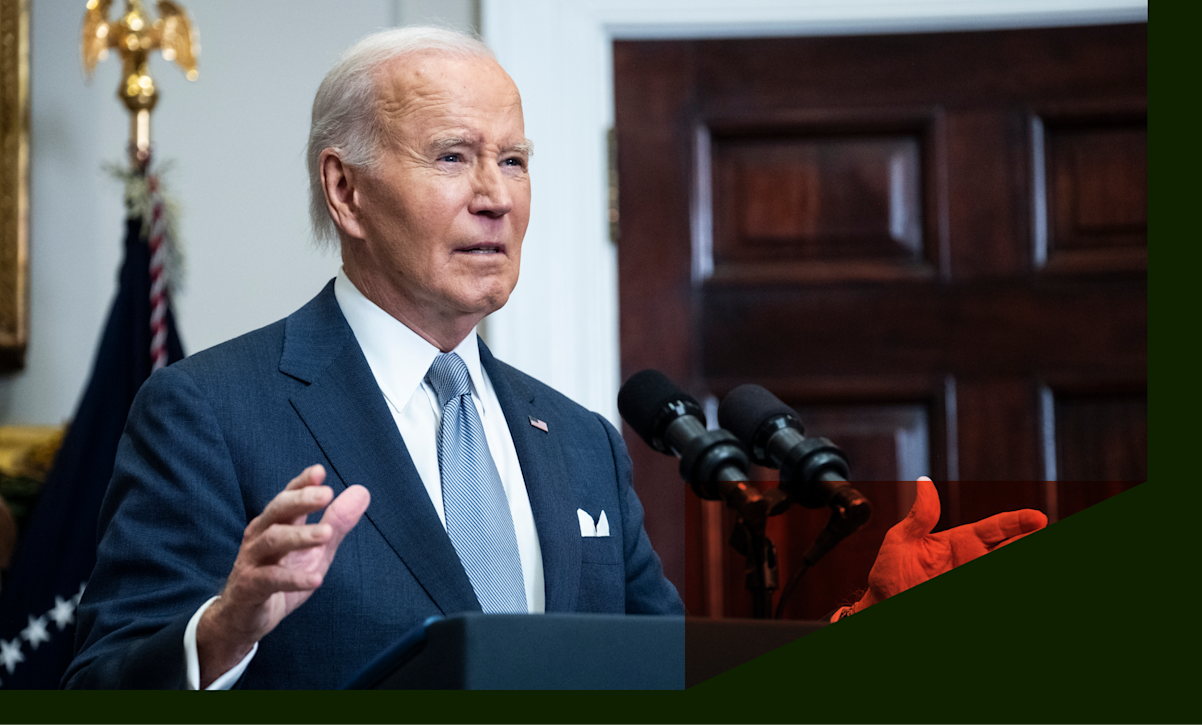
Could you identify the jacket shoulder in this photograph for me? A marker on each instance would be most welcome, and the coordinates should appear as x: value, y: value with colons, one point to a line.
x: 298, y: 345
x: 253, y: 350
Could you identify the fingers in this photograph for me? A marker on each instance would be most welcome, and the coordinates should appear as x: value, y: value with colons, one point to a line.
x: 302, y: 496
x: 280, y: 529
x: 312, y: 476
x: 346, y: 510
x: 1032, y: 521
x: 279, y: 540
x: 924, y: 514
x: 1001, y: 528
x: 342, y: 515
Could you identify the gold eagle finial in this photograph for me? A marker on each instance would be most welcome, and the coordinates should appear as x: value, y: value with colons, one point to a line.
x: 134, y: 35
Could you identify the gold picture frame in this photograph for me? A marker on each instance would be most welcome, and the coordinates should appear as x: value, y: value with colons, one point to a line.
x: 14, y: 183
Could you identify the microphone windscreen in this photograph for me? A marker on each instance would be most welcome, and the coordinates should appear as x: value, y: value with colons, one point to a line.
x: 642, y: 399
x: 746, y: 408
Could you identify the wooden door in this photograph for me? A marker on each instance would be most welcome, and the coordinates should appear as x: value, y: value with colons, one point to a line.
x: 934, y: 246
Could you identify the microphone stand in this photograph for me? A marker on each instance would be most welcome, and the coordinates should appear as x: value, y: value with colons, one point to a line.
x: 762, y: 573
x: 749, y: 536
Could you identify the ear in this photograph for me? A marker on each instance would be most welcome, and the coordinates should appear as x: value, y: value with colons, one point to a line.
x: 338, y: 181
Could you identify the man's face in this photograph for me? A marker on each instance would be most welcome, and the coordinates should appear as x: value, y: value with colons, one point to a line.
x: 444, y: 215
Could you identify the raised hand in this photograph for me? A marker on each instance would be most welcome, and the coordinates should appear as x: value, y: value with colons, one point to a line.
x: 281, y: 562
x: 911, y: 554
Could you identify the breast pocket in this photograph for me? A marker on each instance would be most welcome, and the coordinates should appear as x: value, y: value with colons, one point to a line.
x: 600, y: 550
x: 602, y: 588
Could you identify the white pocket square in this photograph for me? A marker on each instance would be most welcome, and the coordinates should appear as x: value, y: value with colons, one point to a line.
x: 587, y: 528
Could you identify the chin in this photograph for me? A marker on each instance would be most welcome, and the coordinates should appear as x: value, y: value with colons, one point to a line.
x: 490, y: 299
x: 482, y: 306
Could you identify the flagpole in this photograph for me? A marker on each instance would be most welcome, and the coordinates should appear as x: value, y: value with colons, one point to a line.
x: 139, y: 140
x: 134, y: 35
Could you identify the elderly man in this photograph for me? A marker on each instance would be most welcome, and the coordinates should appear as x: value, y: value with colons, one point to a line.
x: 210, y: 573
x: 477, y: 473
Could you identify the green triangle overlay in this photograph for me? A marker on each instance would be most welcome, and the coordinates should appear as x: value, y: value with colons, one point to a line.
x: 1072, y: 625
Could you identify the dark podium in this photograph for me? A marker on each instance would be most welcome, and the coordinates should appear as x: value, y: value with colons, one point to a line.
x: 570, y: 651
x: 533, y: 652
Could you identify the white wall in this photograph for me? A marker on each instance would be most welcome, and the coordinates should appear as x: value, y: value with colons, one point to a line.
x: 236, y: 136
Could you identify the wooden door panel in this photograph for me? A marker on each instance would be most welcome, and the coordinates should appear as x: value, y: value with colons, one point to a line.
x: 1101, y: 438
x: 999, y: 433
x: 816, y: 199
x: 1099, y: 180
x: 1091, y: 191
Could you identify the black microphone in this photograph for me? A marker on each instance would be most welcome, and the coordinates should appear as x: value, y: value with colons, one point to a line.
x: 814, y: 471
x: 713, y: 462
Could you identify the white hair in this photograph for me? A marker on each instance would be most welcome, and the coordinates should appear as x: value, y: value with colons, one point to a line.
x: 344, y: 109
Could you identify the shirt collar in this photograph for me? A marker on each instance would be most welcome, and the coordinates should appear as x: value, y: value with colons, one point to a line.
x: 399, y: 357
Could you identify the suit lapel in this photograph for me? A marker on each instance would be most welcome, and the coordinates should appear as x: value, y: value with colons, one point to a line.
x: 543, y: 468
x: 346, y: 413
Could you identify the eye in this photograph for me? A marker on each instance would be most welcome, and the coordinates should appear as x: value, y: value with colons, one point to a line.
x: 514, y: 161
x: 451, y: 158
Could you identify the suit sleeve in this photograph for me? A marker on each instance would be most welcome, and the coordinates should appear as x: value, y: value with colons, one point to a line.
x: 648, y: 591
x: 169, y: 531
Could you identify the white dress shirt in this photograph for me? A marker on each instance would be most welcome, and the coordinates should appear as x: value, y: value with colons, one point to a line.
x: 399, y: 359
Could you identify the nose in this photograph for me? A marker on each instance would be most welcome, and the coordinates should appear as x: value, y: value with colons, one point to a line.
x: 492, y: 196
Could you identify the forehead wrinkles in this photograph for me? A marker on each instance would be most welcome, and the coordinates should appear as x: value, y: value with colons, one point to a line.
x: 450, y: 88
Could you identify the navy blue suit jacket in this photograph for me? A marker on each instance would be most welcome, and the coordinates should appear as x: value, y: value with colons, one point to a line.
x: 212, y: 439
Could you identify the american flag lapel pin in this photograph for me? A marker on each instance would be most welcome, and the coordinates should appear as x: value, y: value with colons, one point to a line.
x: 538, y: 424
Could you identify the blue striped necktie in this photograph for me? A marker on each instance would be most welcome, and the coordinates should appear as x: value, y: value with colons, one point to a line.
x: 479, y: 521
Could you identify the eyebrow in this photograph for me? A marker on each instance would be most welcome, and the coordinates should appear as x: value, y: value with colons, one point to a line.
x: 525, y: 146
x: 443, y: 144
